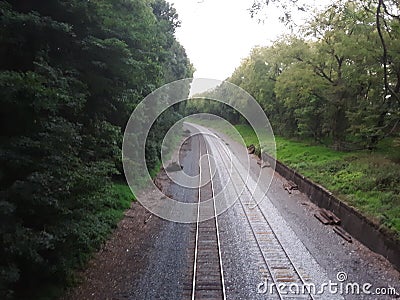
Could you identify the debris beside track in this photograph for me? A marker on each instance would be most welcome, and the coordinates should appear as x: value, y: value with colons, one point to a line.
x: 327, y: 217
x: 340, y: 231
x: 263, y: 164
x: 251, y: 149
x: 290, y: 186
x: 174, y: 167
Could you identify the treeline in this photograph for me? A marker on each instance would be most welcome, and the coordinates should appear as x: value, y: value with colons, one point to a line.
x: 71, y: 73
x: 333, y: 81
x: 328, y: 82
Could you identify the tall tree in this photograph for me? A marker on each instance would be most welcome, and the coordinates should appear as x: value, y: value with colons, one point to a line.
x: 71, y: 72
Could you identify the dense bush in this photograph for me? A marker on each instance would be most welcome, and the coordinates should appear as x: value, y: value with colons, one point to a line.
x: 70, y: 75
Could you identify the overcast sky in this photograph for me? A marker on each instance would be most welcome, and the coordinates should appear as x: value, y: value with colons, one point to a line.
x: 217, y: 34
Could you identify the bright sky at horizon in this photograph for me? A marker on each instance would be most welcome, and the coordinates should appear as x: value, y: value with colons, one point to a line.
x: 218, y: 34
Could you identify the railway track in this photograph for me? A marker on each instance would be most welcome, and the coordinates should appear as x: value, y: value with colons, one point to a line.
x: 207, y: 269
x: 208, y: 274
x: 279, y: 267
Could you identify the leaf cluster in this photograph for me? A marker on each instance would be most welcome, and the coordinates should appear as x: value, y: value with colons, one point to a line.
x: 71, y: 72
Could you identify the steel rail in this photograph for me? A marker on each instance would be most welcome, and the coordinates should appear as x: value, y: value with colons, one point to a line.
x: 267, y: 222
x: 216, y: 226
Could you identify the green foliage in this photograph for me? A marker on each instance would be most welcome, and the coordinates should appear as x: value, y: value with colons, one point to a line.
x: 72, y: 74
x: 369, y: 181
x: 327, y: 83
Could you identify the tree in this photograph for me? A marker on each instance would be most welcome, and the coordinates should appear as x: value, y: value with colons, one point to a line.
x: 71, y: 73
x: 386, y: 19
x: 328, y: 81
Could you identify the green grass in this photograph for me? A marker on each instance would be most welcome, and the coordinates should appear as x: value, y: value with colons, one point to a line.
x: 367, y: 180
x: 119, y: 199
x: 123, y: 195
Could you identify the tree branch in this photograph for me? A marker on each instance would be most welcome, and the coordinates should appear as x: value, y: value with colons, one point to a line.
x: 383, y: 43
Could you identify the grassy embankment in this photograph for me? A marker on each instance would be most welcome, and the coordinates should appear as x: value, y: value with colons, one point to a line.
x: 121, y: 197
x: 366, y: 180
